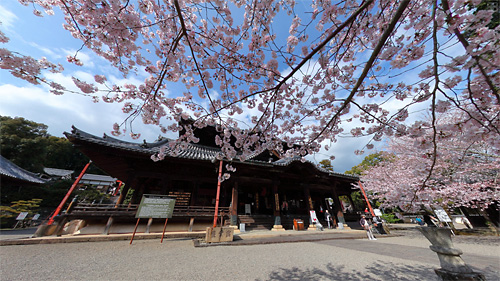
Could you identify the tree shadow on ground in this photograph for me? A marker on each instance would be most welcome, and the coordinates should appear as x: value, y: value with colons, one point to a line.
x: 376, y: 271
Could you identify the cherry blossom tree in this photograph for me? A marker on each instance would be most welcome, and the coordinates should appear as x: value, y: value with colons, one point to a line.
x: 264, y: 72
x: 465, y: 171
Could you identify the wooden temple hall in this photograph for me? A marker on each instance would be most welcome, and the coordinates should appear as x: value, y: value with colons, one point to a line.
x: 265, y: 192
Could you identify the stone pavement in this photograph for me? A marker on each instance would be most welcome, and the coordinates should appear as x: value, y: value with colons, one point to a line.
x: 403, y: 256
x: 23, y: 237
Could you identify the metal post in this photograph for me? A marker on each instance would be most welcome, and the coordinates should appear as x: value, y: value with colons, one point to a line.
x: 163, y: 233
x: 135, y: 229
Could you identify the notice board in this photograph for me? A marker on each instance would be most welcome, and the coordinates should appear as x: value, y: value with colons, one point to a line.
x: 442, y: 215
x: 155, y: 206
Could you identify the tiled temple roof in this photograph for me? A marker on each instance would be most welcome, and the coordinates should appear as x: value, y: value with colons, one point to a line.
x: 187, y: 151
x: 11, y: 170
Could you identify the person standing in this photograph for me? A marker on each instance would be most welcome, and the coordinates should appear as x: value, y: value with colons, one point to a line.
x: 328, y: 219
x: 364, y: 223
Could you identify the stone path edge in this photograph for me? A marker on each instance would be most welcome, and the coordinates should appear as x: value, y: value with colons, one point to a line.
x: 276, y: 240
x: 97, y: 238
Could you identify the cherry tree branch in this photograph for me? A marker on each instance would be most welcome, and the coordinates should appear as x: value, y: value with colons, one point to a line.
x: 494, y: 89
x: 184, y: 31
x: 368, y: 65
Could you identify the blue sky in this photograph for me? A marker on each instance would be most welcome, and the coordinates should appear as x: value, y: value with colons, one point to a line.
x: 45, y: 37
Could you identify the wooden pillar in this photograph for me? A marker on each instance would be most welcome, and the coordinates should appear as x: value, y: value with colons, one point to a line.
x: 121, y: 198
x: 191, y: 222
x: 123, y: 194
x: 194, y: 194
x: 164, y: 186
x: 336, y: 200
x: 148, y: 226
x: 60, y: 226
x: 136, y: 197
x: 108, y: 226
x: 309, y: 204
x: 276, y: 206
x: 349, y: 197
x: 234, y: 204
x: 310, y: 207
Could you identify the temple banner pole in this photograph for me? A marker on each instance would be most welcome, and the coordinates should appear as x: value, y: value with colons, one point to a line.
x: 61, y: 205
x: 218, y: 194
x: 366, y: 198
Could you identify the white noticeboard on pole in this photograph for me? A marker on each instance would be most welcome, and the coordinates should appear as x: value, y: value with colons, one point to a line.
x: 442, y: 215
x: 314, y: 219
x: 22, y: 216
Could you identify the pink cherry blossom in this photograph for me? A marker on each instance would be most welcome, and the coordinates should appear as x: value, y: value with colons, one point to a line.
x: 275, y: 74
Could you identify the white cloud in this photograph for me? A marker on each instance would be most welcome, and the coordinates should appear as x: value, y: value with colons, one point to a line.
x: 52, y: 54
x: 60, y: 112
x: 7, y: 18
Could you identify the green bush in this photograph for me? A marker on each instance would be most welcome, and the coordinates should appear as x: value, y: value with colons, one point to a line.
x: 390, y: 218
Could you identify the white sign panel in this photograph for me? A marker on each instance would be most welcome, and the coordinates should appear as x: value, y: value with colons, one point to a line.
x: 22, y: 216
x: 377, y: 212
x: 442, y: 215
x: 313, y: 216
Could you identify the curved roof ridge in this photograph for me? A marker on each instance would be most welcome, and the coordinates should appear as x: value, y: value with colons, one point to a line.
x: 187, y: 150
x: 9, y: 169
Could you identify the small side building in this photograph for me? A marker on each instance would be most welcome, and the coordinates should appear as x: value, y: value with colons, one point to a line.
x: 13, y: 176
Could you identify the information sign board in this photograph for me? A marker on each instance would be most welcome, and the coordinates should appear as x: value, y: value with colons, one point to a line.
x: 22, y: 216
x: 442, y: 215
x: 155, y: 206
x: 377, y: 212
x: 313, y: 216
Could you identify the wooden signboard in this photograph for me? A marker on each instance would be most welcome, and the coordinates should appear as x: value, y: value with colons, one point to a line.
x: 155, y: 206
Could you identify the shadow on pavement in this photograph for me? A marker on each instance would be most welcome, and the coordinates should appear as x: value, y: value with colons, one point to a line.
x: 377, y: 271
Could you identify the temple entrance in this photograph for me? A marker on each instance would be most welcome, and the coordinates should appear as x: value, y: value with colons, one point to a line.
x: 254, y: 201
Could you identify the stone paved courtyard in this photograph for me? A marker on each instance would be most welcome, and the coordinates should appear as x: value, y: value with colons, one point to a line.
x: 404, y: 257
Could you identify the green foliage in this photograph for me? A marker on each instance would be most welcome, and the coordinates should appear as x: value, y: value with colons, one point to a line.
x: 128, y: 197
x: 358, y: 200
x: 326, y: 164
x: 31, y: 206
x: 91, y: 195
x: 23, y: 142
x: 488, y: 5
x: 28, y: 145
x: 61, y: 154
x: 52, y: 193
x: 369, y: 161
x: 390, y: 218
